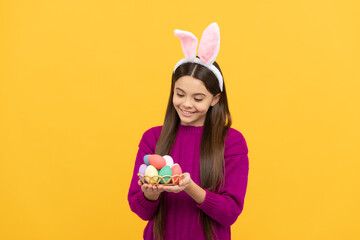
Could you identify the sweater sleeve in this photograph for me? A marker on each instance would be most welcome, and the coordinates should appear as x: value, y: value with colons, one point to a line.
x: 144, y: 208
x: 226, y: 205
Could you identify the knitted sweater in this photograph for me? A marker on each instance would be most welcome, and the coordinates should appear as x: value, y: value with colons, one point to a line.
x: 181, y: 211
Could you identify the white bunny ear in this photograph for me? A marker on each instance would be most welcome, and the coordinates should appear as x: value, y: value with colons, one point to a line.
x: 209, y: 44
x: 188, y: 43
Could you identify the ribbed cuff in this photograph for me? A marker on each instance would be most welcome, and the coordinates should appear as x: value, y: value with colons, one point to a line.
x: 145, y: 203
x: 210, y: 203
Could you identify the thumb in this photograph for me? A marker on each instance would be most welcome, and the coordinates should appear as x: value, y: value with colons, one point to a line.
x: 185, y: 177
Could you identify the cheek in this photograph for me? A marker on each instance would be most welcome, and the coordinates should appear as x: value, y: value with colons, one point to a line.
x: 201, y: 107
x: 204, y: 109
x: 176, y: 101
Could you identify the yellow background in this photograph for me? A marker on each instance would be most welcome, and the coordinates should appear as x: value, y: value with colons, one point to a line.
x: 80, y: 81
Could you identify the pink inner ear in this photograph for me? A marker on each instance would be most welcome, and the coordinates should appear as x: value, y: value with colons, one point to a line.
x: 209, y: 44
x: 188, y: 43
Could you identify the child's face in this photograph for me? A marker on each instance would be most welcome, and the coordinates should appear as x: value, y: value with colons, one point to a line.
x: 192, y: 100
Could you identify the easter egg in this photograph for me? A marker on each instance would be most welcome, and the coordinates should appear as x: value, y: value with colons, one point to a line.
x: 157, y: 161
x: 151, y: 174
x: 142, y: 170
x: 146, y: 159
x: 176, y: 170
x: 166, y: 170
x: 169, y: 160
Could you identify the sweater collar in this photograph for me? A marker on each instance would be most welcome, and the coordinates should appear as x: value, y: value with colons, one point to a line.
x: 190, y: 129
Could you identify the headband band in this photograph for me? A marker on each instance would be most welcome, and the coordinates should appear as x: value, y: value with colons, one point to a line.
x: 208, y: 49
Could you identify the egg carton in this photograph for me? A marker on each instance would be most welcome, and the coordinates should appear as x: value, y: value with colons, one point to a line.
x: 170, y: 182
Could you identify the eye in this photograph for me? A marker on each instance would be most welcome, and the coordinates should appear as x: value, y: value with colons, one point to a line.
x: 198, y: 100
x: 180, y: 95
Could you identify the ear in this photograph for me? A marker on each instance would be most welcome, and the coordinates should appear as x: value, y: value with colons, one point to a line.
x: 188, y: 43
x: 209, y: 44
x: 215, y: 100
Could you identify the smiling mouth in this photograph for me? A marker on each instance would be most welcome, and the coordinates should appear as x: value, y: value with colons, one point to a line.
x: 186, y: 113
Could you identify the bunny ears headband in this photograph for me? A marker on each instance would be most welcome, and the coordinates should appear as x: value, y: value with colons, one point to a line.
x: 208, y: 49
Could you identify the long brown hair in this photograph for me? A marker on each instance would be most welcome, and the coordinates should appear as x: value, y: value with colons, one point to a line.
x: 217, y: 123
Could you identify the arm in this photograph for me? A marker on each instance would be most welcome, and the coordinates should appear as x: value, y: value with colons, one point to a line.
x: 196, y: 192
x: 225, y: 206
x: 144, y: 207
x: 189, y: 186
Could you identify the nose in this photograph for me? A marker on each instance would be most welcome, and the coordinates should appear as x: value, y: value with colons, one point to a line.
x: 187, y: 103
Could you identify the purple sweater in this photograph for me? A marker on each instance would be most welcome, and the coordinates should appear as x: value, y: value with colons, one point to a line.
x: 181, y: 211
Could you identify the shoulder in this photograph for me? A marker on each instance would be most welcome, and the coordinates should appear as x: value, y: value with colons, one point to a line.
x: 152, y: 133
x: 149, y: 139
x: 235, y: 141
x: 234, y: 135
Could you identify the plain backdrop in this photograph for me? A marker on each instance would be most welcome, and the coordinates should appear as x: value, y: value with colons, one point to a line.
x: 80, y: 81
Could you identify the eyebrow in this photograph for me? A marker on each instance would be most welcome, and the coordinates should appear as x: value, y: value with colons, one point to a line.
x: 193, y: 94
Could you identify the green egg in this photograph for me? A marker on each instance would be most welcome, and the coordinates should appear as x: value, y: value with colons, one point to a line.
x: 166, y: 170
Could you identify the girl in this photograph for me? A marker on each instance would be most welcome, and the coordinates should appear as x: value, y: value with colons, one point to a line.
x: 196, y: 133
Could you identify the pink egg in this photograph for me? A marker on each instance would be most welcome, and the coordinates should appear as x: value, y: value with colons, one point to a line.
x: 157, y: 161
x: 176, y: 170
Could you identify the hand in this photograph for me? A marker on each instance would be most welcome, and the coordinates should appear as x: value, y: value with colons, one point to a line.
x: 151, y: 192
x: 183, y: 184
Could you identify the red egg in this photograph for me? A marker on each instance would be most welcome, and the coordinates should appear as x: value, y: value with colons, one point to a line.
x: 157, y: 161
x: 176, y: 170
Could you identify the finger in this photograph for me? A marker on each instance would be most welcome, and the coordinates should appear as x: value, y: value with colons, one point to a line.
x: 160, y: 188
x: 185, y: 179
x: 185, y: 176
x: 167, y: 188
x: 151, y: 188
x: 148, y: 188
x: 143, y: 188
x: 174, y: 188
x: 182, y: 182
x: 155, y: 188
